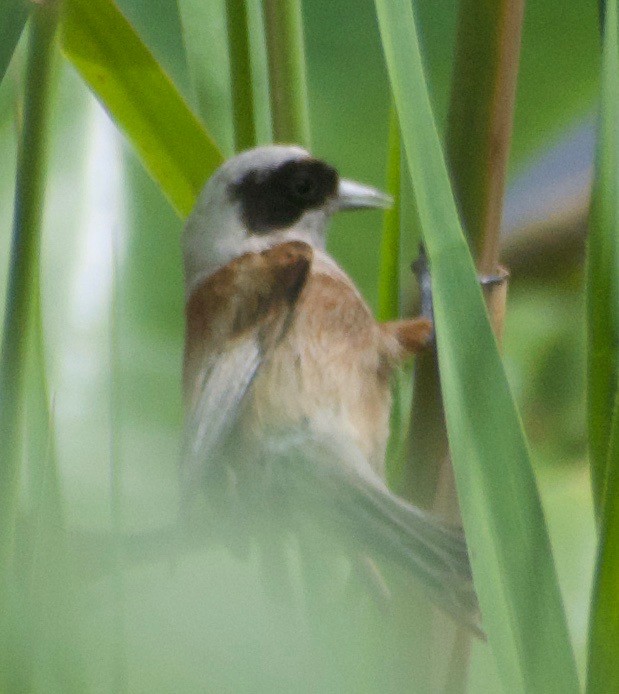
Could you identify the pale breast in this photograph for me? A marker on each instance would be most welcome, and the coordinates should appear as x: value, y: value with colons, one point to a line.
x: 330, y: 372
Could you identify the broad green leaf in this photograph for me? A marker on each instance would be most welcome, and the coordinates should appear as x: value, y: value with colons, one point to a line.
x: 162, y: 32
x: 13, y: 16
x: 174, y: 147
x: 603, y: 282
x: 603, y: 269
x: 506, y: 530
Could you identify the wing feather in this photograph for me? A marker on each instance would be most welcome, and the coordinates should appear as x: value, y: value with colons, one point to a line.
x: 223, y: 383
x: 234, y: 320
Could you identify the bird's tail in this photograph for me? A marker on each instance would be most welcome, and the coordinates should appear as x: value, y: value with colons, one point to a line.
x: 336, y: 479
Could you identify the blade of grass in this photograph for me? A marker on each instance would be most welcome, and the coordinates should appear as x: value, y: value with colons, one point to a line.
x: 603, y: 664
x: 172, y: 144
x: 13, y: 16
x: 602, y: 269
x: 287, y: 80
x: 24, y: 264
x: 506, y: 530
x: 603, y: 308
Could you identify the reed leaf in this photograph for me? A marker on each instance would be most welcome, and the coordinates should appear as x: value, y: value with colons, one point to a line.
x: 171, y: 142
x: 603, y: 315
x: 602, y: 273
x: 503, y: 518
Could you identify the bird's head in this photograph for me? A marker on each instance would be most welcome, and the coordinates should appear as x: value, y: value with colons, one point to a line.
x: 263, y: 197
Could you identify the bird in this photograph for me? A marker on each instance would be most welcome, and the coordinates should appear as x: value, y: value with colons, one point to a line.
x: 286, y: 373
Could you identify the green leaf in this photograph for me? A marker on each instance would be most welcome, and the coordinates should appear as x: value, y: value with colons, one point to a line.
x: 603, y: 271
x: 603, y: 306
x: 172, y: 144
x: 13, y: 16
x: 506, y: 530
x: 603, y: 667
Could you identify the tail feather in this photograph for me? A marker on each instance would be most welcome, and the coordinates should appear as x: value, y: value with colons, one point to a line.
x: 337, y: 480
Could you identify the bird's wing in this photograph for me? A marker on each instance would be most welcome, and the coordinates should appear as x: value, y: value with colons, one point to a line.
x: 332, y: 479
x: 233, y: 321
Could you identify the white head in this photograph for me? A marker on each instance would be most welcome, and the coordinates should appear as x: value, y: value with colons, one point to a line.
x: 263, y: 197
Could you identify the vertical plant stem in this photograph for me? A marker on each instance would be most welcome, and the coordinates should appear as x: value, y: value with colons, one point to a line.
x: 287, y: 79
x: 389, y: 270
x: 481, y: 116
x: 24, y: 262
x: 240, y: 75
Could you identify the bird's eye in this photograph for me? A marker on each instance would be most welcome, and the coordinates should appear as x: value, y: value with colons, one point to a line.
x: 303, y: 185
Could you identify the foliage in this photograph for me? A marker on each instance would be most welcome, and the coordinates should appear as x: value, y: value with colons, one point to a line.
x: 183, y: 92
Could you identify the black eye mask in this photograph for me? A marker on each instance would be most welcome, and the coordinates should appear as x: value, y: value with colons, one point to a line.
x: 276, y: 198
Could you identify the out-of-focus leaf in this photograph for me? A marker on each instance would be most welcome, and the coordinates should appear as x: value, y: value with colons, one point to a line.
x: 603, y: 282
x: 206, y: 46
x: 13, y: 16
x: 506, y: 530
x: 172, y: 144
x: 603, y: 272
x: 162, y: 32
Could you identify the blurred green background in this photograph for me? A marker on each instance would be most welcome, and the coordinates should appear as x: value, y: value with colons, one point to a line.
x: 113, y: 320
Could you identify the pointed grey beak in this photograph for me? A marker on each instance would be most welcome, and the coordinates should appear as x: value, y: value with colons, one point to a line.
x: 354, y: 196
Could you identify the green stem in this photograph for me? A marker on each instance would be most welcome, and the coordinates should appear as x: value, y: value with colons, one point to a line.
x: 24, y: 263
x: 240, y: 75
x: 389, y: 271
x: 288, y: 82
